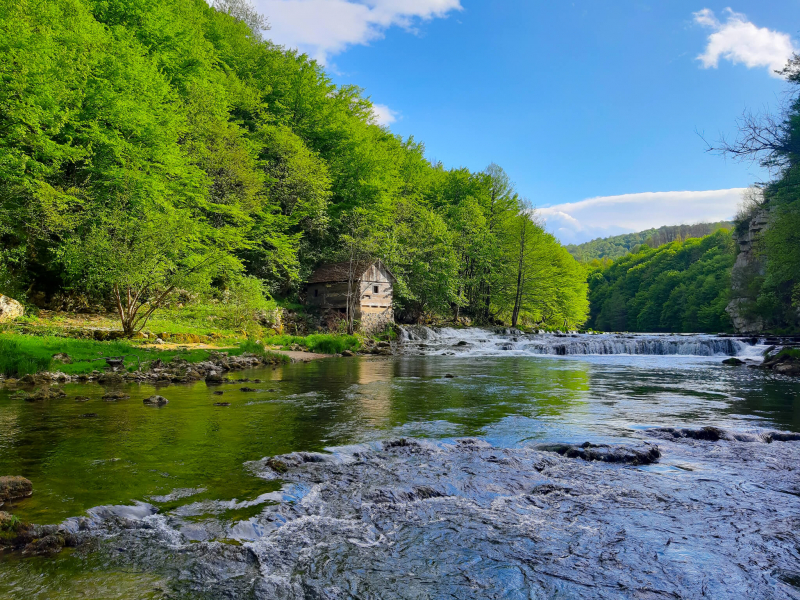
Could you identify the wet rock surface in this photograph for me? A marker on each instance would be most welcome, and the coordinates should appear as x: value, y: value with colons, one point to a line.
x: 408, y: 518
x: 605, y: 453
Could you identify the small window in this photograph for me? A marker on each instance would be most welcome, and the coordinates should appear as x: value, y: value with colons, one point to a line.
x: 374, y: 289
x: 316, y: 293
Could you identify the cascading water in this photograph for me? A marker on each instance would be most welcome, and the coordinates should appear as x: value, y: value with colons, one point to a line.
x: 490, y: 342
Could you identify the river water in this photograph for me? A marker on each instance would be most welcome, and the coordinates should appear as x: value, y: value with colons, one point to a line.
x: 428, y: 474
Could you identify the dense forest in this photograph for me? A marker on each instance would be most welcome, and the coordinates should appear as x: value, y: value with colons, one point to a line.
x: 614, y: 247
x: 150, y: 148
x: 767, y: 284
x: 683, y: 286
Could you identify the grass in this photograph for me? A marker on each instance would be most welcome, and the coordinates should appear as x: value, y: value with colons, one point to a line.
x: 325, y: 343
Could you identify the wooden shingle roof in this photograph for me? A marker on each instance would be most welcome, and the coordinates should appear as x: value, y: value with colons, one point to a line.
x: 340, y: 271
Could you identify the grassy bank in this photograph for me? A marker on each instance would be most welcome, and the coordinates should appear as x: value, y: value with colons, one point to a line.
x: 24, y: 354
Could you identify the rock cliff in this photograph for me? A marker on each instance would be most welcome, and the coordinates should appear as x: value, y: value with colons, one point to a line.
x: 748, y: 265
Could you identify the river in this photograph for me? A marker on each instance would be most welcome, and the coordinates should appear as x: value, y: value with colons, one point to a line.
x: 428, y: 474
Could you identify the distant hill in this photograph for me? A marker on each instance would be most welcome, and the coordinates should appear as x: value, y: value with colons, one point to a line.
x: 617, y: 246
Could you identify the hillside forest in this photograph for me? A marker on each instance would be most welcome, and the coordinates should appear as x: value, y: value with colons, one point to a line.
x: 156, y: 149
x: 161, y: 152
x: 609, y: 249
x: 683, y: 286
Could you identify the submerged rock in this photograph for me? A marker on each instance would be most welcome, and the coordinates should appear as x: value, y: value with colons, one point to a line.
x: 605, y: 453
x: 114, y: 396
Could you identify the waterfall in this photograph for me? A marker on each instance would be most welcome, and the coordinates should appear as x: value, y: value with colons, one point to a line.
x: 420, y: 339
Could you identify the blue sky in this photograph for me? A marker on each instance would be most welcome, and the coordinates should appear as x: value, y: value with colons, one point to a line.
x: 575, y: 100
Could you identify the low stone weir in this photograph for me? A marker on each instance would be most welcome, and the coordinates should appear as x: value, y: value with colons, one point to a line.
x: 445, y: 340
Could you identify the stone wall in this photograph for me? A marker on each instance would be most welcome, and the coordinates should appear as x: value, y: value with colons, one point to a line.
x: 375, y: 320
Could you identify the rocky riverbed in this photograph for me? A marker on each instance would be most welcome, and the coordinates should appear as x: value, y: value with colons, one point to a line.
x: 697, y: 515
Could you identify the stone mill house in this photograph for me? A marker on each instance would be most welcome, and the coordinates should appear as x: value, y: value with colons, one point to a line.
x: 370, y: 288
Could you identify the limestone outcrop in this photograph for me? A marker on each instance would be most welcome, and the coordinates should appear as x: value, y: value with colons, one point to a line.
x: 747, y: 266
x: 10, y: 309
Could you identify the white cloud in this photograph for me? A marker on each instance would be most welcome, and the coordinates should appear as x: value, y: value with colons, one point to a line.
x: 323, y: 28
x: 383, y: 114
x: 740, y: 41
x: 577, y: 222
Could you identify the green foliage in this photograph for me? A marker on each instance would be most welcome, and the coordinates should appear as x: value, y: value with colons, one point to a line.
x: 677, y: 287
x: 243, y: 300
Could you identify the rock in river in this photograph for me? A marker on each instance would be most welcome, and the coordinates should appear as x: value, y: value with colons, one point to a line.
x: 14, y: 488
x: 733, y: 362
x: 605, y: 453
